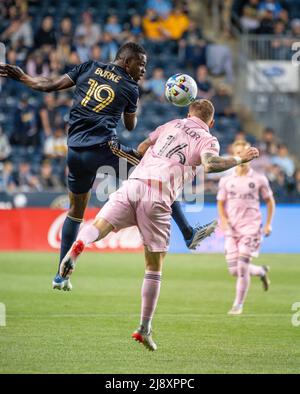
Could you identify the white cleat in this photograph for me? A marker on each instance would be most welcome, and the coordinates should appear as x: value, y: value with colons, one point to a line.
x: 67, y: 265
x: 60, y: 283
x: 145, y: 339
x: 235, y: 311
x: 200, y: 233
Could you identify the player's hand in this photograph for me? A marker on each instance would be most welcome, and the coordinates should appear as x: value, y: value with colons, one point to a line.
x: 267, y: 230
x: 249, y: 154
x: 10, y: 71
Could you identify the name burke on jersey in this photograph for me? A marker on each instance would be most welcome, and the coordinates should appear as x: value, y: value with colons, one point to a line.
x: 108, y: 75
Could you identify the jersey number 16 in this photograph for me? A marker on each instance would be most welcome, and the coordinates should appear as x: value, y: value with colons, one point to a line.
x: 95, y: 91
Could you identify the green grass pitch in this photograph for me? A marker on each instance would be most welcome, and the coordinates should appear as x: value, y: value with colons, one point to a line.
x: 89, y: 329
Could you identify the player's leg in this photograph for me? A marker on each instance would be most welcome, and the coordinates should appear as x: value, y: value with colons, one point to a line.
x: 261, y: 272
x: 243, y: 275
x: 78, y: 204
x: 87, y: 235
x: 82, y: 171
x: 231, y: 255
x: 154, y: 221
x: 150, y: 295
x: 117, y: 213
x: 192, y: 235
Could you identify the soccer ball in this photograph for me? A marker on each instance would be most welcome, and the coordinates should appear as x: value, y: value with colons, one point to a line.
x: 181, y: 90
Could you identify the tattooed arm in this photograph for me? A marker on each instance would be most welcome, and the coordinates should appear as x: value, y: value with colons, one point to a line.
x: 42, y: 84
x: 214, y: 163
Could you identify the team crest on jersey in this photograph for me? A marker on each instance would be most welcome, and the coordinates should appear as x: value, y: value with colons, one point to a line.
x: 252, y: 185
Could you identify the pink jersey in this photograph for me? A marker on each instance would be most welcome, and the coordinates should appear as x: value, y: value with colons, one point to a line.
x: 172, y: 160
x: 242, y: 197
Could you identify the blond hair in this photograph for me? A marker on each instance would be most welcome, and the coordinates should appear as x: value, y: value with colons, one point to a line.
x: 203, y: 109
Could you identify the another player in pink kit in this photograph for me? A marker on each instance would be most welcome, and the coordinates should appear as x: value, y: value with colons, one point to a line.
x: 171, y: 154
x: 241, y: 220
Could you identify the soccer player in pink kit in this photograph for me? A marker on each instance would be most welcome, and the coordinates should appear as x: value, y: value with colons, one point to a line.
x: 241, y: 221
x: 171, y: 154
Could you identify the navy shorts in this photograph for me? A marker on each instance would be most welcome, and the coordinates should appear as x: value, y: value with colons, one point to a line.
x: 84, y: 163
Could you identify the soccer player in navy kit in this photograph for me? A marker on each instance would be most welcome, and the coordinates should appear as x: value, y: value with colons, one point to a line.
x: 104, y: 94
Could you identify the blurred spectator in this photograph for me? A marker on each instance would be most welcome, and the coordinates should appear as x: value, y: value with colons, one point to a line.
x: 5, y: 148
x: 284, y: 161
x: 156, y: 85
x: 278, y: 182
x: 152, y: 26
x: 192, y: 52
x: 222, y: 101
x: 56, y: 145
x: 46, y: 33
x: 26, y: 180
x: 268, y: 143
x: 220, y: 61
x: 109, y: 47
x: 25, y: 126
x: 7, y: 178
x: 19, y: 30
x: 296, y: 193
x: 47, y: 180
x: 266, y: 23
x: 72, y: 61
x: 161, y: 7
x: 36, y: 66
x: 83, y: 51
x: 205, y: 86
x: 96, y: 53
x: 175, y: 24
x: 63, y: 50
x: 66, y: 29
x: 250, y: 20
x: 136, y: 26
x: 89, y: 30
x: 295, y: 25
x: 280, y: 46
x: 113, y: 27
x: 48, y: 114
x: 271, y: 6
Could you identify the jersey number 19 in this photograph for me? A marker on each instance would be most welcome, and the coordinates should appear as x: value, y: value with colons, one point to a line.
x: 95, y: 91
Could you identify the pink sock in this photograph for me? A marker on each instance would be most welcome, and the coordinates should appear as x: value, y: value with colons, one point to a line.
x: 257, y: 270
x: 150, y: 294
x: 243, y: 282
x: 88, y: 234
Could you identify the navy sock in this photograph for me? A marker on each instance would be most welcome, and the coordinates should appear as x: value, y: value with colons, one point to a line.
x: 68, y: 237
x: 180, y: 219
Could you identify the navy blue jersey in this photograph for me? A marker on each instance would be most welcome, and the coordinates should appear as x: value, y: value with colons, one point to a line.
x: 103, y: 92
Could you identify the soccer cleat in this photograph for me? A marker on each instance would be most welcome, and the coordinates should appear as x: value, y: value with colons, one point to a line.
x: 236, y: 310
x: 200, y: 233
x: 67, y: 266
x: 60, y: 283
x: 145, y: 339
x: 265, y: 279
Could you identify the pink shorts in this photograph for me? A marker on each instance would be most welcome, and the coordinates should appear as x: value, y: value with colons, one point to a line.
x: 137, y: 203
x: 246, y: 245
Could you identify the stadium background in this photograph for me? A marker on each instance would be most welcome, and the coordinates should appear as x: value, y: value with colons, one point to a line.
x: 239, y: 52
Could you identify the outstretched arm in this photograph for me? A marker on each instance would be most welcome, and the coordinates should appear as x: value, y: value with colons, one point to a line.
x: 42, y: 84
x: 214, y: 163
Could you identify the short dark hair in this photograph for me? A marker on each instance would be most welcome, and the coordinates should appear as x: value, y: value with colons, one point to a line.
x: 131, y: 49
